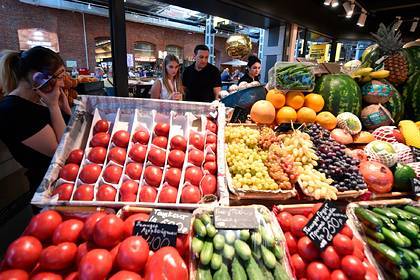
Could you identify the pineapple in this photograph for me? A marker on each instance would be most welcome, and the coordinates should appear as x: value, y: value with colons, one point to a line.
x: 390, y: 44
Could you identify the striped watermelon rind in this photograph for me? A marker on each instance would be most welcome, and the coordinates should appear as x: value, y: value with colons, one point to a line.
x: 395, y: 104
x: 411, y: 97
x: 412, y: 56
x: 341, y: 94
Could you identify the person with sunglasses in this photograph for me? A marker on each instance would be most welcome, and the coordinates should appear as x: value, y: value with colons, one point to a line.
x: 33, y: 112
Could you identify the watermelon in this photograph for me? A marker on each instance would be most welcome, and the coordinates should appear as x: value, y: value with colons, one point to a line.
x: 369, y: 59
x: 411, y: 97
x: 340, y: 92
x: 412, y: 56
x: 395, y: 106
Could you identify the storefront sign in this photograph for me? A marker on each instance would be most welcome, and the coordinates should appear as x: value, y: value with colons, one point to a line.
x: 319, y: 52
x: 29, y: 38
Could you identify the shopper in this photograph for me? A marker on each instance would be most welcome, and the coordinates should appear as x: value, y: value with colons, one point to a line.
x: 225, y: 76
x: 32, y: 121
x: 170, y: 85
x: 253, y: 70
x: 201, y: 79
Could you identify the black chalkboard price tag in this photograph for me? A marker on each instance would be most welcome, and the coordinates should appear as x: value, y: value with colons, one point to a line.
x: 181, y: 219
x: 157, y: 235
x: 325, y: 224
x: 235, y: 218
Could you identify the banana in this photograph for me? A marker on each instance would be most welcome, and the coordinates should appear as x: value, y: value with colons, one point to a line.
x: 363, y: 71
x: 381, y: 74
x: 366, y: 79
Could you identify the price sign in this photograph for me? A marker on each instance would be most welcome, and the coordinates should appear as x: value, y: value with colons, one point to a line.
x: 181, y: 219
x: 235, y: 218
x: 325, y: 224
x: 157, y: 235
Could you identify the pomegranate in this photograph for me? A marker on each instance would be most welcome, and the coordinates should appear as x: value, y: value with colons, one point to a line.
x: 377, y: 176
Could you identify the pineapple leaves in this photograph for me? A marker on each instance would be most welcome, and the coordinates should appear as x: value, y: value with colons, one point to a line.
x: 388, y: 39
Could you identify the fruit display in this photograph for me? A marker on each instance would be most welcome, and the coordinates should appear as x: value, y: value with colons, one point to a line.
x: 374, y: 116
x: 382, y: 152
x: 410, y: 96
x: 377, y: 91
x: 257, y: 253
x: 293, y: 76
x: 395, y: 106
x: 349, y: 122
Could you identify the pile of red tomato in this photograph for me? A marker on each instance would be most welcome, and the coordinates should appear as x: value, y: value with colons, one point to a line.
x: 99, y: 247
x: 343, y: 259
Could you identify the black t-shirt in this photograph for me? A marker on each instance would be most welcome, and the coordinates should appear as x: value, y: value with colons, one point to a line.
x: 247, y: 78
x: 199, y: 84
x: 19, y: 120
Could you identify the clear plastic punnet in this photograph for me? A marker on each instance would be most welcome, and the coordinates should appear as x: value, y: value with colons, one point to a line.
x: 292, y: 76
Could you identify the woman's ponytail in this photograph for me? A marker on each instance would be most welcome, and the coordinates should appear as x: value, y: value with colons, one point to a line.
x: 9, y: 70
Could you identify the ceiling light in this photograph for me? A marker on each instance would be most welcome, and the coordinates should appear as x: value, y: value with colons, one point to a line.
x: 327, y: 2
x: 414, y: 24
x: 362, y: 19
x: 334, y: 3
x: 398, y: 23
x: 349, y: 8
x: 89, y: 7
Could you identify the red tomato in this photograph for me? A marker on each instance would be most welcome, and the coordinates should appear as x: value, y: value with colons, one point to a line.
x: 90, y: 225
x: 166, y: 263
x: 58, y: 257
x: 307, y: 249
x: 82, y: 250
x: 23, y: 253
x: 190, y: 194
x: 75, y: 156
x: 125, y: 275
x: 108, y: 231
x: 338, y: 275
x: 97, y: 155
x: 64, y: 191
x: 208, y: 184
x: 106, y: 193
x: 369, y: 268
x: 84, y: 192
x: 353, y: 268
x: 211, y: 138
x: 112, y: 174
x: 210, y: 157
x: 114, y: 253
x: 331, y: 258
x: 182, y: 242
x: 160, y: 141
x: 370, y: 276
x: 46, y: 276
x: 317, y: 271
x: 96, y: 264
x: 117, y: 155
x: 133, y: 254
x: 291, y: 243
x: 309, y: 216
x: 197, y: 140
x: 347, y: 231
x: 193, y: 174
x: 359, y: 254
x: 343, y: 245
x: 212, y: 126
x: 138, y: 152
x: 129, y: 186
x: 100, y: 139
x: 284, y: 218
x: 211, y: 167
x: 298, y: 264
x: 162, y: 129
x: 148, y: 194
x: 69, y: 172
x: 141, y: 136
x: 178, y: 143
x: 157, y: 156
x: 43, y: 225
x: 121, y: 138
x: 173, y: 176
x: 90, y: 173
x: 133, y: 170
x: 176, y: 158
x: 129, y: 222
x: 297, y: 224
x: 67, y: 231
x: 153, y: 175
x: 196, y: 157
x: 316, y: 207
x: 14, y: 274
x: 72, y: 276
x: 212, y: 146
x: 358, y: 244
x: 101, y: 126
x: 128, y: 197
x: 168, y: 195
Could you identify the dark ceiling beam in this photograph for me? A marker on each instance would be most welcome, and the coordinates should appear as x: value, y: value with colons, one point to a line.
x: 396, y: 7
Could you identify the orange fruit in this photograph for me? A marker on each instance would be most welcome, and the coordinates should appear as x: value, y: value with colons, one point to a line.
x: 276, y: 97
x: 306, y: 115
x: 286, y: 115
x: 314, y: 101
x: 295, y: 99
x: 263, y: 112
x: 326, y: 120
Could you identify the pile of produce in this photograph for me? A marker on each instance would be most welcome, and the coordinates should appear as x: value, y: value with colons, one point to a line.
x: 293, y: 76
x: 392, y: 235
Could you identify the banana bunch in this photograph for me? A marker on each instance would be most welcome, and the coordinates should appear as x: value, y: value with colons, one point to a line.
x: 366, y: 74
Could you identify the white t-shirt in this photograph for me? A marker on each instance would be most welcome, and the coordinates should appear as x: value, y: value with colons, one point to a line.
x: 164, y: 93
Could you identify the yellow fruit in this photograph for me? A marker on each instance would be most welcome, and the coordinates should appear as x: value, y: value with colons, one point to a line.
x: 381, y: 74
x: 276, y: 97
x: 410, y: 132
x: 362, y: 71
x: 263, y: 112
x: 418, y: 124
x: 306, y: 115
x: 314, y: 101
x: 295, y: 99
x: 286, y: 115
x: 326, y: 120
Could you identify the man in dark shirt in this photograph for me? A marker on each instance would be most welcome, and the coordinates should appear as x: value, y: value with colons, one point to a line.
x: 201, y: 79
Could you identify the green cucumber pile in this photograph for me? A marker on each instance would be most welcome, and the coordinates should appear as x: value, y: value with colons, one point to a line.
x: 393, y: 236
x: 237, y: 254
x: 294, y: 77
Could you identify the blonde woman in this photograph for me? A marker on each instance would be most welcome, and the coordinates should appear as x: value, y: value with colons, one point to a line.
x: 170, y: 85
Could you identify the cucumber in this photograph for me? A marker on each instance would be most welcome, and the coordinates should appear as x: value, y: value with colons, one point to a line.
x: 417, y: 251
x: 377, y: 236
x: 199, y: 228
x: 280, y: 273
x: 211, y: 230
x: 256, y: 253
x: 409, y: 229
x: 242, y: 250
x: 206, y: 253
x: 412, y: 209
x: 407, y: 260
x: 222, y: 273
x: 228, y: 252
x: 230, y: 237
x: 204, y: 273
x: 414, y: 273
x: 392, y: 238
x: 238, y: 272
x: 253, y: 270
x: 403, y: 274
x: 413, y: 255
x: 218, y: 241
x: 385, y: 212
x: 407, y: 241
x: 401, y: 213
x: 268, y: 257
x: 205, y: 218
x: 387, y: 222
x: 368, y: 218
x: 197, y: 245
x: 216, y: 261
x: 385, y: 251
x: 244, y: 234
x: 278, y: 252
x: 267, y: 273
x: 267, y: 236
x: 256, y: 238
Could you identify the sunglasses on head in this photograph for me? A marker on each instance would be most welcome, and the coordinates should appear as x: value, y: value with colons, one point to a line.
x: 42, y: 79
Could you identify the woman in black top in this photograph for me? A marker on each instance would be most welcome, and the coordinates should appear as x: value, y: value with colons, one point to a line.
x: 32, y: 121
x: 253, y: 70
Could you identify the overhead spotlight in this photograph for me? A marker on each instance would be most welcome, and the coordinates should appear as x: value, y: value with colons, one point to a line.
x: 362, y: 19
x: 327, y: 2
x: 349, y: 8
x: 334, y: 3
x: 89, y: 6
x: 398, y: 23
x: 414, y: 24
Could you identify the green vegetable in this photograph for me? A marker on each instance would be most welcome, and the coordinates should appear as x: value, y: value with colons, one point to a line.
x: 199, y: 228
x: 278, y: 252
x: 211, y: 230
x: 253, y: 270
x: 205, y: 218
x: 244, y: 234
x: 206, y: 253
x: 230, y: 237
x: 267, y: 273
x: 238, y: 272
x: 410, y: 253
x: 256, y: 253
x: 216, y: 261
x: 385, y: 251
x: 385, y: 212
x: 392, y: 238
x: 403, y: 273
x: 387, y: 222
x: 409, y: 229
x: 204, y: 273
x: 267, y: 236
x: 228, y: 252
x: 407, y: 241
x: 280, y: 273
x: 377, y: 236
x: 412, y: 209
x: 406, y: 258
x: 256, y: 238
x: 222, y: 273
x: 368, y: 218
x: 242, y: 250
x: 268, y: 257
x: 197, y: 245
x: 401, y: 213
x: 414, y: 273
x: 218, y: 241
x: 417, y: 251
